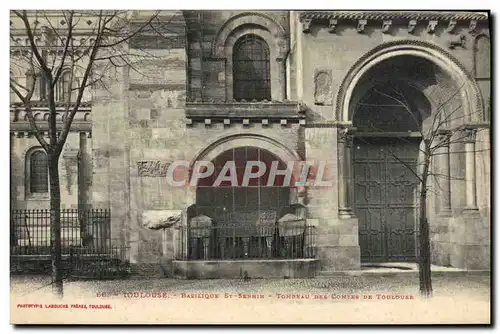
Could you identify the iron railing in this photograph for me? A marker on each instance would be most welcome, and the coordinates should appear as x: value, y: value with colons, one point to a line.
x: 105, y: 263
x: 86, y: 245
x: 30, y: 230
x: 244, y: 241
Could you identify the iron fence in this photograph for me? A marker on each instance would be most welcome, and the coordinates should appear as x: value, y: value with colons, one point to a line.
x: 30, y: 230
x: 104, y: 263
x: 86, y: 245
x: 245, y: 241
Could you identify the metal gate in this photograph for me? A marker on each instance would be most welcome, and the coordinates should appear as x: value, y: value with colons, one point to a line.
x: 386, y: 197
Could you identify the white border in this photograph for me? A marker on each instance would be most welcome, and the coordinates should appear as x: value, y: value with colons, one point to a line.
x: 190, y: 4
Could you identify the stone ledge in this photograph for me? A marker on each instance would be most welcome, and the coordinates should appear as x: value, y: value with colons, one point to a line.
x: 401, y: 15
x: 293, y: 268
x: 358, y: 273
x: 76, y: 126
x: 245, y: 110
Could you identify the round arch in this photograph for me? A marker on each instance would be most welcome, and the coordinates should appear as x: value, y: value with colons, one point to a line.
x: 259, y: 19
x: 241, y: 140
x: 276, y: 71
x: 470, y: 96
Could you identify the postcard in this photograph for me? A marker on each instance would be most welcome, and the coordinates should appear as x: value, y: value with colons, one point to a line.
x: 250, y: 167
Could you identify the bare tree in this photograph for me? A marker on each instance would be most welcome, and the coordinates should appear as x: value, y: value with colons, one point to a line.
x: 69, y: 52
x: 438, y: 129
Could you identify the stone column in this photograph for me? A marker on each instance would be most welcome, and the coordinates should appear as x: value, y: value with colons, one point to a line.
x: 469, y: 136
x: 470, y: 236
x: 281, y: 94
x: 344, y: 144
x: 443, y: 154
x: 337, y: 243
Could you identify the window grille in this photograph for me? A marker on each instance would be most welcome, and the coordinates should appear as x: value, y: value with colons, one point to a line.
x: 39, y: 170
x: 63, y: 87
x: 251, y: 66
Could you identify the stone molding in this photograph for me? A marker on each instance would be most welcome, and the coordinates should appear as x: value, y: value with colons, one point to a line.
x: 385, y: 19
x: 19, y: 114
x: 257, y: 18
x: 244, y: 110
x: 82, y: 122
x: 391, y: 15
x: 266, y: 28
x: 25, y: 127
x: 225, y: 143
x: 407, y: 45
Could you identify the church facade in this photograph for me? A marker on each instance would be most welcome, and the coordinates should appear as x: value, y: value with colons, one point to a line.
x: 359, y: 93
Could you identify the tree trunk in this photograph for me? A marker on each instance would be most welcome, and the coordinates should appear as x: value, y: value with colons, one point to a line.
x: 55, y: 226
x: 425, y: 249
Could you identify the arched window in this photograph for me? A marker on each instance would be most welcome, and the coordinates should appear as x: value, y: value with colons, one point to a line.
x: 38, y: 172
x: 251, y: 69
x: 63, y: 86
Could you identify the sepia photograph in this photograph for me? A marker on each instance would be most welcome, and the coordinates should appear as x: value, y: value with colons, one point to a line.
x: 235, y: 167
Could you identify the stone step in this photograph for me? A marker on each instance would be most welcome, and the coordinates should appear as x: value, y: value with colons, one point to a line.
x: 389, y: 273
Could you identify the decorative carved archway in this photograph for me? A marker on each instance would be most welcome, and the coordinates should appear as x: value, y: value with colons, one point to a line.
x: 471, y: 96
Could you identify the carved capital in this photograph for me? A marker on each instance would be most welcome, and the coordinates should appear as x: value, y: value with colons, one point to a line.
x: 345, y: 136
x: 411, y: 26
x: 332, y: 25
x: 469, y: 135
x: 386, y: 25
x: 153, y: 168
x: 361, y: 26
x: 443, y: 137
x: 472, y: 26
x: 348, y: 139
x: 431, y: 26
x: 451, y: 26
x: 306, y: 26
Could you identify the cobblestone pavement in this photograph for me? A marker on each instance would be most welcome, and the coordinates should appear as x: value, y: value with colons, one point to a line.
x: 473, y: 286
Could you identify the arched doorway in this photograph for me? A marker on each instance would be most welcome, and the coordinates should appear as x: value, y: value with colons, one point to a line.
x: 393, y: 106
x: 244, y: 218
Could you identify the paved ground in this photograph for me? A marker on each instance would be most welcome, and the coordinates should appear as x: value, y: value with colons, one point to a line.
x: 394, y: 299
x: 475, y: 286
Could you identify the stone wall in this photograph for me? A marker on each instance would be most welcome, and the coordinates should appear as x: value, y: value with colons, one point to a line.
x: 324, y: 56
x: 207, y: 71
x: 21, y: 145
x: 339, y: 51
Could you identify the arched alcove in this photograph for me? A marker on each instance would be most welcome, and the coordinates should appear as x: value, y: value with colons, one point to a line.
x: 482, y: 57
